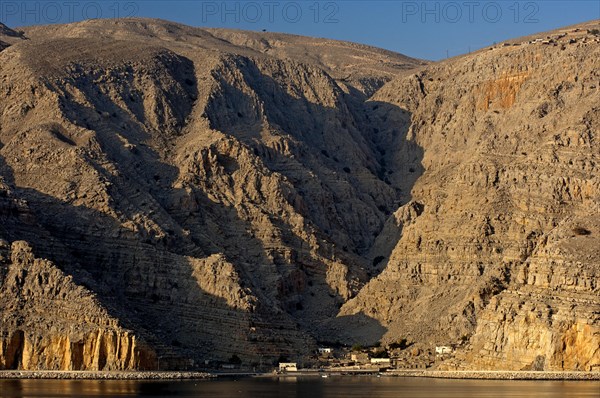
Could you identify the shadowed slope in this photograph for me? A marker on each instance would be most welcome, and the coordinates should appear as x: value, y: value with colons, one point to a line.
x: 172, y: 172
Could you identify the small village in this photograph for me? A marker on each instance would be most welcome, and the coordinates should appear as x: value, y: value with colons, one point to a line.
x: 352, y: 360
x: 358, y: 359
x: 560, y: 38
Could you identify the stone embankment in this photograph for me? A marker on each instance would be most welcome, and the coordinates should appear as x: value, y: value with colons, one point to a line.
x: 82, y: 375
x: 496, y: 375
x: 117, y: 375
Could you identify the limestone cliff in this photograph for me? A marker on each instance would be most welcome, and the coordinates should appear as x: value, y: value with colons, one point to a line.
x: 504, y: 248
x: 49, y: 322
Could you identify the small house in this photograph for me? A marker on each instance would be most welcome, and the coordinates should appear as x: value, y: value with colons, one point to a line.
x: 325, y: 350
x: 380, y: 361
x: 441, y: 350
x: 288, y: 367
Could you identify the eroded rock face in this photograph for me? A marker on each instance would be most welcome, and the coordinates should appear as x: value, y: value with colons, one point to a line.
x: 177, y: 195
x: 548, y: 319
x: 48, y: 322
x: 505, y: 251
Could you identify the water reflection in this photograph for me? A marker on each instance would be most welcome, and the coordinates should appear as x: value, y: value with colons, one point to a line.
x: 333, y: 387
x: 68, y: 388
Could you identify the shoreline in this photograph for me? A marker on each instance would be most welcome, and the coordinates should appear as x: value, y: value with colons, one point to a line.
x: 100, y: 375
x: 496, y: 374
x: 175, y: 375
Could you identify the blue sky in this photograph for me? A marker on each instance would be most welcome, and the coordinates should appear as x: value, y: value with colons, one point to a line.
x: 424, y: 29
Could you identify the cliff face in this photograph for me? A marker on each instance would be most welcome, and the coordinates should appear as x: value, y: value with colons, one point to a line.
x: 194, y: 194
x: 49, y: 322
x: 547, y: 318
x: 503, y: 257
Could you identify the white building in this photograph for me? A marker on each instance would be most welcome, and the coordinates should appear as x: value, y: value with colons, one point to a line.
x: 380, y: 361
x: 288, y: 367
x: 325, y: 350
x: 441, y: 350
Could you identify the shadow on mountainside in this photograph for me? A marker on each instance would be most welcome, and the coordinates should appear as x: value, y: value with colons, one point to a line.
x: 321, y: 150
x: 324, y: 151
x: 142, y: 276
x: 353, y: 329
x: 400, y: 160
x: 141, y: 259
x: 351, y: 165
x: 151, y: 291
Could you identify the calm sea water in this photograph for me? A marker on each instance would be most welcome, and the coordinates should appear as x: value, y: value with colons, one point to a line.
x: 333, y: 387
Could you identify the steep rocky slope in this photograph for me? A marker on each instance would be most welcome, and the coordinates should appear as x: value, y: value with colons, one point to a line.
x: 194, y: 194
x: 500, y: 242
x: 65, y: 326
x: 216, y: 200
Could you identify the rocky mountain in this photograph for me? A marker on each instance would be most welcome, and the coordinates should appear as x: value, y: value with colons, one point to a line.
x: 171, y: 195
x: 498, y: 249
